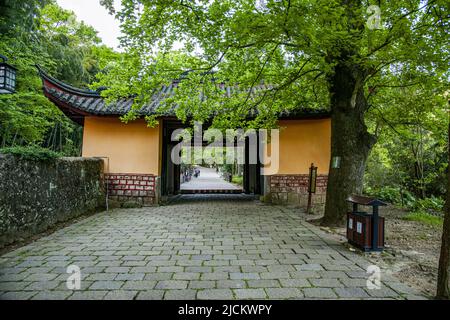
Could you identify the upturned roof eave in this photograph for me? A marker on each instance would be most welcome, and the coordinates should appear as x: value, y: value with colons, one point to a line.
x: 67, y: 87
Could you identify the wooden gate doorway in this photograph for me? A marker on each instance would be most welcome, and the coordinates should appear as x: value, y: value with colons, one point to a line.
x: 170, y: 172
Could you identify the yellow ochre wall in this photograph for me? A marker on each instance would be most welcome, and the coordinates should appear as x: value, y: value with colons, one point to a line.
x: 135, y: 148
x: 131, y: 148
x: 303, y: 142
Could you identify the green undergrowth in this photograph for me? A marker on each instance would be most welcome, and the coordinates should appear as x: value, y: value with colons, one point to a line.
x: 425, y: 218
x: 32, y: 152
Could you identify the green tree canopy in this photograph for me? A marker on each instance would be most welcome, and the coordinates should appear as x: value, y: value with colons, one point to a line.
x: 40, y: 32
x: 292, y: 45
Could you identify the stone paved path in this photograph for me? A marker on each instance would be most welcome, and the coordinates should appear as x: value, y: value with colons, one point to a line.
x: 208, y: 180
x: 201, y: 247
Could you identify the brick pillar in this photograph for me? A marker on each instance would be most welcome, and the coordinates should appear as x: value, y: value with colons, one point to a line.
x: 124, y: 187
x: 293, y: 189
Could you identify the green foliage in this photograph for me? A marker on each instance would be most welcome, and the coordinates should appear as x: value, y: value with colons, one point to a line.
x: 239, y: 180
x: 424, y: 218
x: 226, y: 167
x: 412, y: 140
x: 293, y: 46
x: 387, y: 194
x: 40, y: 32
x: 73, y: 46
x: 19, y: 14
x: 32, y: 152
x: 432, y: 205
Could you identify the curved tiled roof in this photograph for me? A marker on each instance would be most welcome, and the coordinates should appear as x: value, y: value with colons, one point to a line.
x: 77, y: 103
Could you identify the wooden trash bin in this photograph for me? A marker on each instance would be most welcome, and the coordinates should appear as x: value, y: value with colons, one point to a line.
x: 365, y: 231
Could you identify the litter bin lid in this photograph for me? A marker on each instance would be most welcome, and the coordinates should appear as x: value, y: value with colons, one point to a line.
x: 365, y: 201
x: 361, y: 213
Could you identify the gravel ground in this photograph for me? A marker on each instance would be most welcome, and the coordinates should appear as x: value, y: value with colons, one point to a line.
x: 412, y: 249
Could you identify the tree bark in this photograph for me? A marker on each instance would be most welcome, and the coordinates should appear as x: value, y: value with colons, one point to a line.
x: 443, y: 283
x: 349, y: 139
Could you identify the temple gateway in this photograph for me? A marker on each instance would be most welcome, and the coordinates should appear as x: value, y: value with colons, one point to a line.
x: 137, y: 162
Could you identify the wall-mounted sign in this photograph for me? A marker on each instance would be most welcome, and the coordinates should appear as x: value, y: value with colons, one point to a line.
x: 336, y: 162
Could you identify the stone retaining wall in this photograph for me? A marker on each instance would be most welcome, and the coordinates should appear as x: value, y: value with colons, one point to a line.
x: 35, y: 195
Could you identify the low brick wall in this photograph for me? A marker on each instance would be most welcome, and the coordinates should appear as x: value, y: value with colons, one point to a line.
x: 35, y: 195
x: 124, y: 187
x: 293, y: 189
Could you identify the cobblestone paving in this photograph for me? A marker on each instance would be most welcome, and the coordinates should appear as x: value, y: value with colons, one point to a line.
x: 201, y: 247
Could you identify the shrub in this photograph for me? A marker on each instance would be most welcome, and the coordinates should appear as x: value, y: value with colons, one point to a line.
x: 392, y: 195
x: 237, y: 180
x: 424, y: 218
x: 227, y: 168
x: 408, y: 199
x: 387, y: 194
x: 428, y: 211
x: 433, y: 206
x: 32, y: 152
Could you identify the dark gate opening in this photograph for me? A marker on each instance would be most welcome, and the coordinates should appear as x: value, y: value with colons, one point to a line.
x: 170, y: 172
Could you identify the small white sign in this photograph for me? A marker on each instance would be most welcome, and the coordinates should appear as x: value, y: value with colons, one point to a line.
x: 359, y: 227
x: 350, y: 223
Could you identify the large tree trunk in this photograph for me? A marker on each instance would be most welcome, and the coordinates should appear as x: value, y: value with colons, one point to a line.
x: 349, y: 139
x: 443, y: 284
